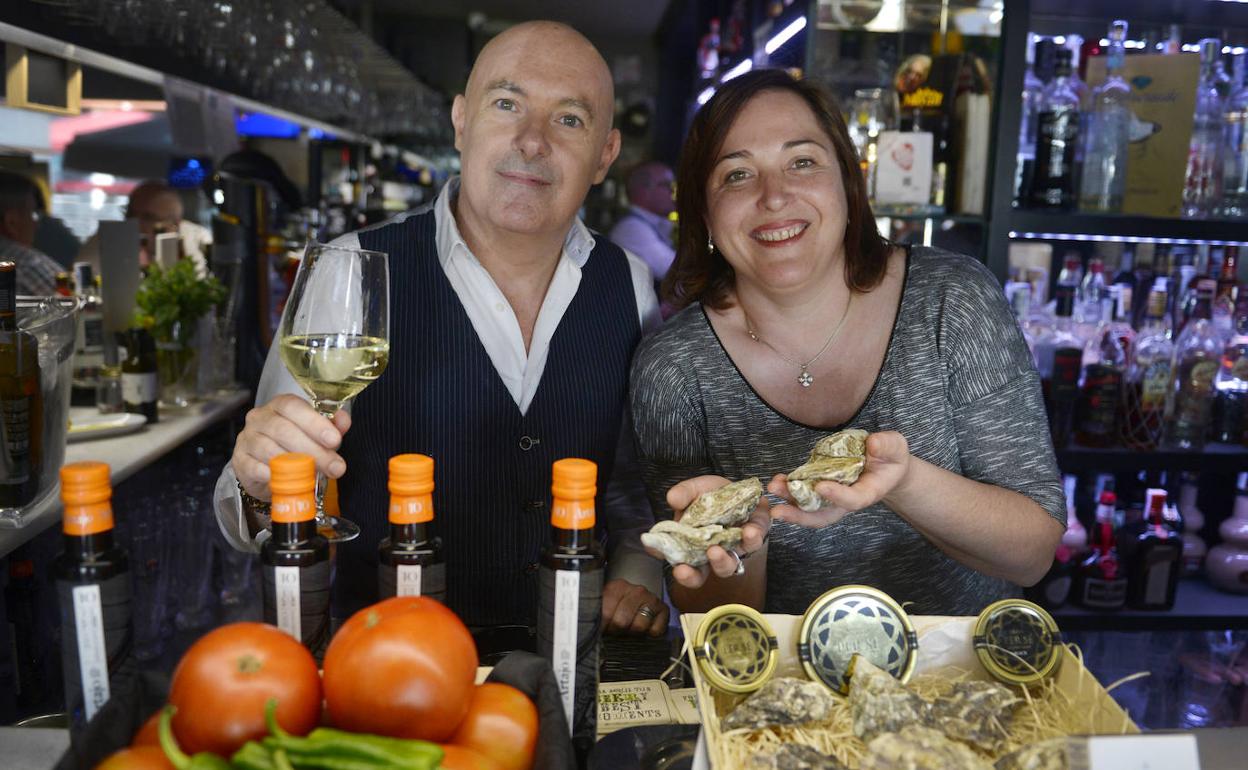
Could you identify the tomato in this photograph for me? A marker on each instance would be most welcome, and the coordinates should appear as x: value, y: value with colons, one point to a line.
x: 461, y: 758
x: 404, y: 667
x: 224, y: 680
x: 136, y: 758
x: 502, y: 725
x: 147, y: 734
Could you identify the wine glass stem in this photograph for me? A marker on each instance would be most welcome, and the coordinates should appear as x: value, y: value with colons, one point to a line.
x: 327, y: 409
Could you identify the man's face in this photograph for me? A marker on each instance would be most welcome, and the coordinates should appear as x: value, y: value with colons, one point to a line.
x: 159, y: 212
x: 534, y: 131
x: 19, y: 223
x: 658, y: 196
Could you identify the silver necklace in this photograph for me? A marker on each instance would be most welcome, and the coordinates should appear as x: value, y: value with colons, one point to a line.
x: 804, y: 377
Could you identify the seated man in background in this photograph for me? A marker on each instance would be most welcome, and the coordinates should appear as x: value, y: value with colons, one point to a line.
x: 36, y: 271
x: 158, y: 209
x: 645, y: 230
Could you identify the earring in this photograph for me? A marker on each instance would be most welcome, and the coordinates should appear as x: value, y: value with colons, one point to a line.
x: 710, y: 243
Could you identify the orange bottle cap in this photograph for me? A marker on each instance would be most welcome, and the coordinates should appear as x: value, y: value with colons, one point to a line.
x: 573, y: 487
x: 292, y: 473
x: 411, y: 474
x: 86, y: 489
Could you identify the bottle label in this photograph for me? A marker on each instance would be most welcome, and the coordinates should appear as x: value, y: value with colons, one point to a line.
x: 286, y: 587
x: 1104, y: 594
x: 1156, y: 385
x: 95, y: 641
x: 1101, y: 390
x: 1194, y: 399
x: 296, y: 600
x: 567, y: 605
x: 411, y: 510
x: 568, y: 633
x: 139, y: 388
x: 408, y: 580
x: 15, y: 459
x: 1066, y: 365
x: 1058, y: 132
x: 1156, y: 587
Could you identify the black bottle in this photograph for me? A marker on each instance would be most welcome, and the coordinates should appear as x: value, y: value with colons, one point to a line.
x: 140, y: 387
x: 21, y: 400
x: 410, y: 560
x: 296, y: 558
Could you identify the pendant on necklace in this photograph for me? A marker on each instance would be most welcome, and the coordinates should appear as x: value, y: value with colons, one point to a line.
x: 805, y: 379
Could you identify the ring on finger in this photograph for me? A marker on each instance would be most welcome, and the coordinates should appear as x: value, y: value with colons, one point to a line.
x: 740, y: 570
x: 645, y: 612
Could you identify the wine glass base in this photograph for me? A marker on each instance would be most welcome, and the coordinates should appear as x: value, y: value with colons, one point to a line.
x: 336, y: 529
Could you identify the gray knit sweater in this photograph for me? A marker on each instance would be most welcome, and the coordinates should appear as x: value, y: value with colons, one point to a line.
x: 957, y: 381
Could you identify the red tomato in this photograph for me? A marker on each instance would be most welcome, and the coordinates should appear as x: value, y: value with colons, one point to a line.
x: 224, y: 680
x: 502, y: 725
x: 403, y: 667
x: 460, y: 758
x: 136, y: 758
x: 148, y: 734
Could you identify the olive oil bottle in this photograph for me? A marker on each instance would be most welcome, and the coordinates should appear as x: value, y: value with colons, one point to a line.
x: 296, y: 558
x: 21, y: 401
x: 569, y: 615
x: 410, y: 560
x: 93, y: 587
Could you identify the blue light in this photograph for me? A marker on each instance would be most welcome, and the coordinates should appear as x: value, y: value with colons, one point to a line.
x: 260, y: 124
x: 192, y: 163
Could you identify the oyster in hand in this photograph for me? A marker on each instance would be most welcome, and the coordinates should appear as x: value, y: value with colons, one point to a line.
x: 782, y: 701
x: 839, y: 457
x: 682, y: 544
x: 728, y: 506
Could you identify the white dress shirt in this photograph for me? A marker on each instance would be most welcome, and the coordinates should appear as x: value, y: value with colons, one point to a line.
x: 628, y: 512
x: 649, y: 236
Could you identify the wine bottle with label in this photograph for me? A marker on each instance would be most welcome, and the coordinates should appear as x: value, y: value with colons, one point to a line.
x: 92, y: 578
x: 296, y: 557
x: 21, y: 401
x: 569, y: 617
x: 140, y: 387
x: 410, y: 560
x: 1156, y: 561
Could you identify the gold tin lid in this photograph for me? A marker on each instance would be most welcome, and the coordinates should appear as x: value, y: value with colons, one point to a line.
x: 1017, y: 641
x: 851, y: 620
x: 735, y: 648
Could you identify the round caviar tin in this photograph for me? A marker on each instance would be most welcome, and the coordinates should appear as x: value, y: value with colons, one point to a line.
x: 1017, y: 641
x: 735, y: 649
x: 855, y: 620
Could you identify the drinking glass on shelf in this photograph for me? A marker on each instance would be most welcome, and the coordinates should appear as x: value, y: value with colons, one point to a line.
x: 334, y: 339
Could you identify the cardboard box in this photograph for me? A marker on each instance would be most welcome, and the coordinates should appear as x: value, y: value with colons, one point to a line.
x: 944, y: 645
x: 1163, y: 98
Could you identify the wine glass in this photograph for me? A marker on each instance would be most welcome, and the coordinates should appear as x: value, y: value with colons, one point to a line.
x: 335, y: 339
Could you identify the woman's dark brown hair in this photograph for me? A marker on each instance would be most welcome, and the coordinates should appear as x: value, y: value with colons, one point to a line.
x: 700, y: 274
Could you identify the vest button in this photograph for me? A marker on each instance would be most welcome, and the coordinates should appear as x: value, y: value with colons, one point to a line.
x: 531, y: 569
x: 527, y: 443
x: 535, y: 505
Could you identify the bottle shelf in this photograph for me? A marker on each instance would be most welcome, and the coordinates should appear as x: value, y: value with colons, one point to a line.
x: 1071, y: 225
x: 1198, y: 606
x: 1214, y: 458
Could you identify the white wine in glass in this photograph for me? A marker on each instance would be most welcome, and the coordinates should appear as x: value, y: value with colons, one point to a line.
x: 335, y: 339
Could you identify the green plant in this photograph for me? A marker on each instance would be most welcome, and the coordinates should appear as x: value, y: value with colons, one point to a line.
x: 170, y: 302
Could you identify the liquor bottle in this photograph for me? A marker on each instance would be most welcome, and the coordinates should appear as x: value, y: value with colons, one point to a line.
x: 410, y: 559
x: 1076, y: 535
x: 1227, y: 293
x: 64, y: 284
x: 1235, y: 145
x: 1230, y: 385
x: 1173, y: 45
x: 1227, y: 563
x: 1155, y: 562
x: 296, y: 558
x: 1194, y: 547
x: 1122, y: 298
x: 1091, y: 292
x: 89, y: 344
x: 1033, y: 89
x: 21, y: 607
x: 1104, y: 179
x: 1059, y: 353
x: 1057, y: 139
x: 1096, y: 414
x: 92, y: 578
x: 1202, y: 187
x: 140, y: 387
x: 1148, y: 379
x: 1197, y: 357
x: 569, y: 618
x: 1100, y: 582
x: 21, y: 396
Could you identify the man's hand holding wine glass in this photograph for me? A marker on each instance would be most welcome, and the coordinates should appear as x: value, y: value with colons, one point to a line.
x: 288, y: 423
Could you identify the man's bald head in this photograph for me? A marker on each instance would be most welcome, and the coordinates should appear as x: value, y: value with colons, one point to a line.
x: 155, y: 204
x: 649, y: 186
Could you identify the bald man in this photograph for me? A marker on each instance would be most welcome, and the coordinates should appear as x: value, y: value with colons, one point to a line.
x: 645, y: 230
x: 512, y: 328
x: 158, y: 209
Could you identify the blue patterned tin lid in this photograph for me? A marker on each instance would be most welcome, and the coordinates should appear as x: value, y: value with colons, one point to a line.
x: 855, y: 620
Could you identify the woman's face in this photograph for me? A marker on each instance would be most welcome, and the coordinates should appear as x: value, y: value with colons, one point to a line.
x: 775, y: 198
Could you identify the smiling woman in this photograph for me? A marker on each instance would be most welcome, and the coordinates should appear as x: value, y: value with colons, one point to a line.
x: 802, y: 320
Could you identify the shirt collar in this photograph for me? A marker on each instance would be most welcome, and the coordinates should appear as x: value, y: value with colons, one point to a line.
x: 661, y: 223
x: 577, y: 245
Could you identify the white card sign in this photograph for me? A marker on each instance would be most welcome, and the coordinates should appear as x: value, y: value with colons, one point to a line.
x: 903, y: 171
x: 1143, y: 752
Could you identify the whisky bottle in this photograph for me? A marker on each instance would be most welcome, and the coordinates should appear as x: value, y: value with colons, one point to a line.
x: 1100, y: 581
x: 1155, y: 563
x: 92, y: 578
x: 21, y: 398
x: 296, y: 558
x: 1057, y: 141
x: 140, y: 387
x: 569, y: 618
x: 1197, y: 358
x: 410, y: 559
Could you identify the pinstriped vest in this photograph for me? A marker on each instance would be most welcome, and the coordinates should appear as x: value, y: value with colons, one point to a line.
x: 441, y: 395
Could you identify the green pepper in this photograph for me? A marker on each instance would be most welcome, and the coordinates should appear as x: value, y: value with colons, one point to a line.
x: 328, y: 749
x: 253, y: 756
x: 177, y: 757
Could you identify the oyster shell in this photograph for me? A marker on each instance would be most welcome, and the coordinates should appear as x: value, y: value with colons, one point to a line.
x: 839, y: 457
x: 915, y: 747
x: 681, y: 544
x: 728, y: 506
x: 794, y: 756
x: 1045, y: 755
x: 976, y: 712
x: 879, y: 703
x: 782, y: 701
